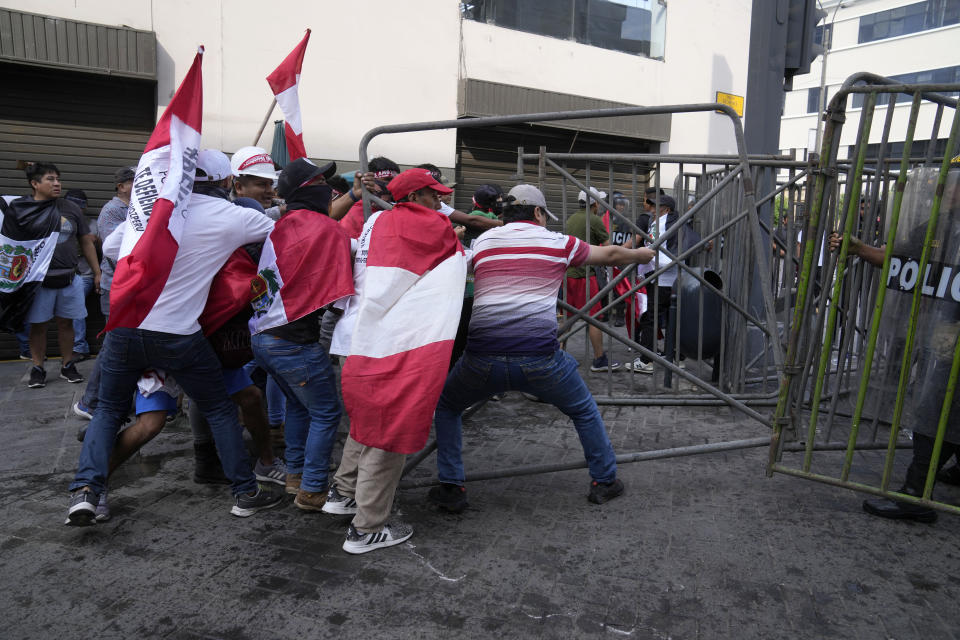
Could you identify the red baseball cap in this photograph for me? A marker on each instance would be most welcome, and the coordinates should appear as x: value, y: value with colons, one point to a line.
x: 413, y: 180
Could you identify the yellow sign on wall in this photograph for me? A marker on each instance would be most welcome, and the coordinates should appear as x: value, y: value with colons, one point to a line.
x: 731, y: 100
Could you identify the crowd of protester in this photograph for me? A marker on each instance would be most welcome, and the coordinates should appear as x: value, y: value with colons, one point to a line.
x: 425, y: 310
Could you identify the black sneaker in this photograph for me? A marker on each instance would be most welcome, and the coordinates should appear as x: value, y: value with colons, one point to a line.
x: 38, y: 378
x: 602, y: 364
x: 83, y: 508
x: 450, y: 497
x: 391, y: 534
x: 247, y: 504
x: 600, y: 492
x: 70, y: 374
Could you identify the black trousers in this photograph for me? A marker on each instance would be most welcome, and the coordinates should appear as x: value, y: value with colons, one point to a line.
x: 922, y: 454
x: 647, y: 337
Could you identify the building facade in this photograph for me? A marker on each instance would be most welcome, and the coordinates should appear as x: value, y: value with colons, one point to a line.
x: 371, y: 63
x: 908, y: 41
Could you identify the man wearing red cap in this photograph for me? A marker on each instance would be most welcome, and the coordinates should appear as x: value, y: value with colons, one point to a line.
x: 408, y: 261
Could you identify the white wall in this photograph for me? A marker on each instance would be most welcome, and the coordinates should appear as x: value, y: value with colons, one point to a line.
x: 369, y: 63
x: 376, y: 62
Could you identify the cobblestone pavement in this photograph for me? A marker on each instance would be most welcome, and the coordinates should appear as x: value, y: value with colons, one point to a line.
x: 698, y: 547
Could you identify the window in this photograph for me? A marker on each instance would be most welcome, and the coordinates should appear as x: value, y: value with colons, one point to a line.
x: 631, y: 26
x: 943, y: 75
x: 823, y: 35
x: 911, y: 18
x: 813, y: 100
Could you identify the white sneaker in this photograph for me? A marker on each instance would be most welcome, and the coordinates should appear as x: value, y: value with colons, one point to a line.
x: 391, y: 534
x: 338, y: 504
x: 639, y: 366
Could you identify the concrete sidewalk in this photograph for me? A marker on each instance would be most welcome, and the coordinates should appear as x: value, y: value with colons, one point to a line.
x: 698, y: 547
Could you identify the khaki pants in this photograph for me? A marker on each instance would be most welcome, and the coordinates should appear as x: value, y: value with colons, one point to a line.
x: 370, y: 476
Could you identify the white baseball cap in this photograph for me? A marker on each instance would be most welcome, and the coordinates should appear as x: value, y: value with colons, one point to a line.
x: 594, y: 194
x: 527, y: 194
x: 253, y: 161
x: 214, y: 164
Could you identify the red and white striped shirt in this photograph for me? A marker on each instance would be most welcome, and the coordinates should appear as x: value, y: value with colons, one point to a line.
x: 518, y: 270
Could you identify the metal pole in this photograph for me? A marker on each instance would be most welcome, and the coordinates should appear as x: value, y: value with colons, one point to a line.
x: 266, y: 119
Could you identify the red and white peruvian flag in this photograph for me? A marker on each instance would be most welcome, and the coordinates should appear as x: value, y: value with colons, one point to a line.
x: 305, y: 265
x: 407, y: 317
x: 161, y: 188
x: 285, y: 83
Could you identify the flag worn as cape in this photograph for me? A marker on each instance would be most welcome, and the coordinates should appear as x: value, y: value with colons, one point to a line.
x: 285, y: 84
x: 305, y: 265
x: 407, y: 317
x: 28, y: 237
x: 161, y: 188
x: 229, y: 291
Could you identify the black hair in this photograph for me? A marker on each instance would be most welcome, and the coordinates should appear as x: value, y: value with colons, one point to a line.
x: 382, y: 164
x: 36, y: 171
x: 652, y: 190
x: 432, y: 168
x: 338, y: 183
x: 518, y: 212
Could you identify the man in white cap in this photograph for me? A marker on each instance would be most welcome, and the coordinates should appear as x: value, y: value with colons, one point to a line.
x: 255, y: 177
x: 169, y: 337
x: 512, y: 342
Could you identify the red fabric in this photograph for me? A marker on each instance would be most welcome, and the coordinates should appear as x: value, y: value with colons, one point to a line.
x: 295, y: 146
x: 229, y: 292
x: 352, y: 223
x: 140, y: 276
x: 577, y: 296
x: 412, y: 237
x: 391, y: 400
x: 285, y: 76
x: 187, y: 105
x: 313, y: 258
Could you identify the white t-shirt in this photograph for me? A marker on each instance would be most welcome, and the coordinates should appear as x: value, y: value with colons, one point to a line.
x: 343, y: 333
x: 214, y: 229
x: 668, y: 277
x: 445, y: 209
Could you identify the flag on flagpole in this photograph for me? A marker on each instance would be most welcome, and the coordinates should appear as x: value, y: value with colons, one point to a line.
x: 28, y: 236
x: 161, y: 187
x: 406, y: 322
x: 305, y: 265
x: 285, y: 84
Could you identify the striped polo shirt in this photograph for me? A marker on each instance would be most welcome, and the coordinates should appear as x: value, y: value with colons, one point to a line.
x: 518, y: 270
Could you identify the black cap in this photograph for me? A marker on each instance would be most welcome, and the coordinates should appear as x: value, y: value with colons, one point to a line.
x: 486, y: 196
x: 123, y: 174
x: 299, y: 172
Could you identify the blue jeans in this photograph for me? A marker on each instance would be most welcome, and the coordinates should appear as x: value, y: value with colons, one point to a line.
x: 194, y: 365
x: 553, y: 379
x: 23, y: 339
x: 306, y: 378
x: 276, y: 403
x: 80, y: 324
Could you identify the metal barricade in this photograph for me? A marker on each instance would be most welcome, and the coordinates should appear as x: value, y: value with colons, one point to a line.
x: 745, y: 264
x: 873, y: 350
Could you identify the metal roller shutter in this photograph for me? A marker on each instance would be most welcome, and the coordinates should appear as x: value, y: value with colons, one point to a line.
x: 88, y: 125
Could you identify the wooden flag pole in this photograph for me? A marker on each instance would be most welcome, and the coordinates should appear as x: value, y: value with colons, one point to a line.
x: 266, y: 119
